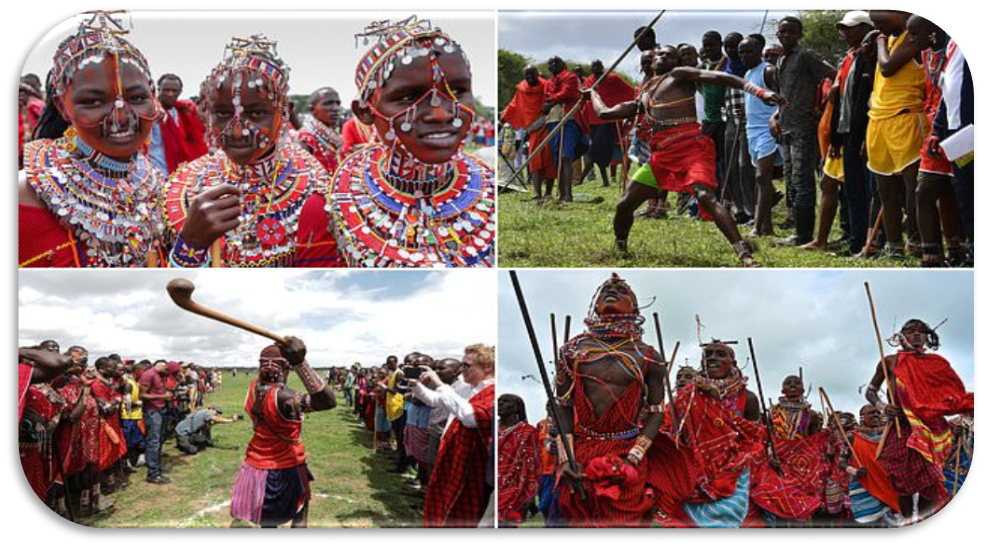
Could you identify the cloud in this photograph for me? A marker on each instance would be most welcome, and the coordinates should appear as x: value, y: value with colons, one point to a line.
x: 343, y: 316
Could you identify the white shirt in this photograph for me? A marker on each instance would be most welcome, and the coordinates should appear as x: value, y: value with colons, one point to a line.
x: 450, y: 402
x: 951, y: 83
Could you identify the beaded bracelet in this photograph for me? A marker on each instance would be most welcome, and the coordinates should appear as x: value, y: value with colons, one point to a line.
x: 185, y: 255
x: 754, y: 90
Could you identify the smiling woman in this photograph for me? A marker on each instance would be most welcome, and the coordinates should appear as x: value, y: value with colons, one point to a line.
x: 89, y: 197
x: 414, y: 199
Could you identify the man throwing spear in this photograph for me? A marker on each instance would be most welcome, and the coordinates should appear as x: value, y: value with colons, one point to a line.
x: 924, y: 390
x: 272, y: 486
x: 682, y: 157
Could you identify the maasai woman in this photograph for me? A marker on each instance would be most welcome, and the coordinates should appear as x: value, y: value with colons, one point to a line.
x: 415, y: 198
x: 319, y: 135
x: 87, y: 197
x: 248, y: 195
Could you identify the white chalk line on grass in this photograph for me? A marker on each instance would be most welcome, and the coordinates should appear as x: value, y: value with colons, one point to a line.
x: 228, y: 502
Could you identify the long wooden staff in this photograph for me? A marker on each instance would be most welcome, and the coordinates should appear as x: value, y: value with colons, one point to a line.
x: 553, y: 335
x: 580, y: 101
x: 551, y: 398
x: 180, y: 291
x: 669, y: 368
x: 825, y: 400
x: 956, y: 469
x: 874, y: 233
x: 567, y: 328
x: 888, y: 384
x: 216, y: 252
x: 768, y: 420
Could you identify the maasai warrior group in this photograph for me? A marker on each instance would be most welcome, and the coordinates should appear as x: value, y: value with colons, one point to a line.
x: 121, y: 173
x: 709, y: 124
x: 83, y: 429
x: 434, y: 416
x: 710, y: 454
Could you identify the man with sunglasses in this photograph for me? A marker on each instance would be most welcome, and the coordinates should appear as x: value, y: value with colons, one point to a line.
x: 272, y: 486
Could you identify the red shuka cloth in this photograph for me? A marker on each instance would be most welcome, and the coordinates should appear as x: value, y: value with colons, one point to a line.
x: 276, y: 442
x: 519, y: 470
x: 613, y: 91
x: 799, y: 492
x: 112, y: 447
x: 316, y: 247
x: 24, y: 372
x: 719, y: 445
x: 78, y: 442
x: 547, y: 459
x: 42, y: 242
x: 183, y: 140
x: 876, y: 481
x: 354, y: 133
x: 682, y: 156
x: 526, y: 106
x: 932, y: 387
x: 456, y: 491
x: 565, y: 89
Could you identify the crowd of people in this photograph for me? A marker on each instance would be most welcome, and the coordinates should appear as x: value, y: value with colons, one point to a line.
x: 119, y: 171
x: 713, y: 123
x: 710, y: 452
x: 434, y: 417
x: 85, y: 428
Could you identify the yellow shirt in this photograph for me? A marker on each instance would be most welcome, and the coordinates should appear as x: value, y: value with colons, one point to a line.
x: 906, y: 89
x: 136, y: 410
x: 394, y: 402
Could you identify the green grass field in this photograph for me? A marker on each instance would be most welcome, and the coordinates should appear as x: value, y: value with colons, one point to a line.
x: 353, y: 487
x: 580, y: 235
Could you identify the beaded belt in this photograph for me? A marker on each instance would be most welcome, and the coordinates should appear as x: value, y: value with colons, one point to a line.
x: 586, y: 433
x: 668, y: 122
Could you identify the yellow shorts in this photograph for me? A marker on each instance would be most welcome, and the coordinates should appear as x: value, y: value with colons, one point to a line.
x: 834, y: 167
x: 895, y: 143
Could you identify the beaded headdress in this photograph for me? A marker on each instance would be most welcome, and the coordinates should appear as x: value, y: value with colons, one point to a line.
x: 715, y: 343
x: 400, y: 43
x: 97, y: 37
x: 252, y: 62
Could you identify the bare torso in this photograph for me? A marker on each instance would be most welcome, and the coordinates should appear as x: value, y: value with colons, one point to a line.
x: 606, y: 377
x: 669, y: 102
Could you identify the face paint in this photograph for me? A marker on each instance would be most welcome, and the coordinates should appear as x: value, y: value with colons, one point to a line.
x: 417, y: 152
x: 104, y: 87
x: 249, y: 99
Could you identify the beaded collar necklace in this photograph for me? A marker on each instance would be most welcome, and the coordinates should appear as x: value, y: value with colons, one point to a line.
x: 381, y: 220
x: 117, y: 219
x: 274, y: 191
x: 615, y: 326
x: 726, y: 389
x: 326, y: 137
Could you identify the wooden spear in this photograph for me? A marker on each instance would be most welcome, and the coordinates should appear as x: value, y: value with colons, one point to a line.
x: 888, y: 384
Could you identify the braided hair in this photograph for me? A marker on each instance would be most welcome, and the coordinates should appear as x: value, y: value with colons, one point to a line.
x: 51, y: 124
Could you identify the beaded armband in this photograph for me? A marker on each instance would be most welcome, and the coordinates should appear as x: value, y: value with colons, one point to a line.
x: 638, y: 450
x: 311, y: 381
x: 185, y: 255
x: 754, y: 90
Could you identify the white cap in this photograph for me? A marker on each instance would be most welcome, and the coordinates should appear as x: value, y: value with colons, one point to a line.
x: 855, y: 18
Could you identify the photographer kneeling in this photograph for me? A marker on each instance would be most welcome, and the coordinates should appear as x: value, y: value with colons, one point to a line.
x: 194, y: 432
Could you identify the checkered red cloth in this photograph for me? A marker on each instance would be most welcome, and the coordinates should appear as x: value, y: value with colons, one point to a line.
x: 456, y: 494
x: 798, y: 493
x: 519, y: 470
x: 24, y: 372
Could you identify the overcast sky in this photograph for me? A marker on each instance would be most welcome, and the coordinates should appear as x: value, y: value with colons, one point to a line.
x: 343, y: 316
x: 319, y: 47
x: 819, y: 320
x: 585, y: 36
